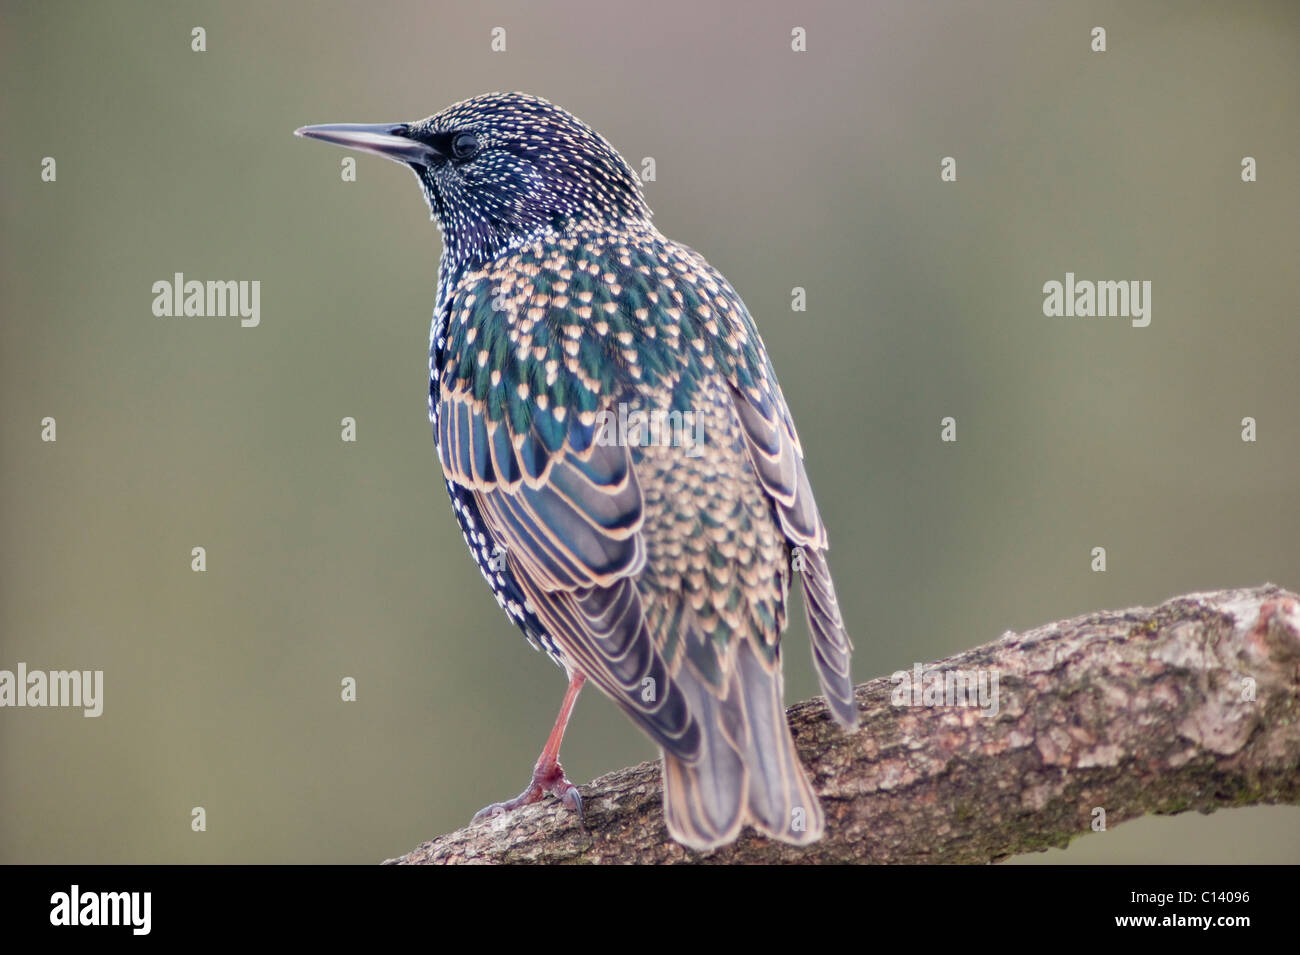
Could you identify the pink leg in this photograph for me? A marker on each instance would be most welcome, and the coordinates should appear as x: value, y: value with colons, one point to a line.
x: 548, y: 775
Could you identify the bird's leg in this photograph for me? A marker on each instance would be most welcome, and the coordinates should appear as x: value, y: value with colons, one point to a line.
x: 548, y: 775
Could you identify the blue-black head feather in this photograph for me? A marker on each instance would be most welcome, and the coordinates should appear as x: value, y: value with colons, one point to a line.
x: 507, y: 168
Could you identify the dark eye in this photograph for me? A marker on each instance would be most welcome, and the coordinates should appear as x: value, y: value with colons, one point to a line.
x: 464, y: 146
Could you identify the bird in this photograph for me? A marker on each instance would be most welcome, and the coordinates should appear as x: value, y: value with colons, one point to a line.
x: 653, y: 562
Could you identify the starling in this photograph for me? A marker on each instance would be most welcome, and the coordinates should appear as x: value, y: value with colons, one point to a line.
x: 655, y: 562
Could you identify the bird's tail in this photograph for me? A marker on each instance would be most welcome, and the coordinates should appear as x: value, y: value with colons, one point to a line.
x: 747, y: 772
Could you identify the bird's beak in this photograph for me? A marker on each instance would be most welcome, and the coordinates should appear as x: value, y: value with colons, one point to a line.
x: 390, y: 140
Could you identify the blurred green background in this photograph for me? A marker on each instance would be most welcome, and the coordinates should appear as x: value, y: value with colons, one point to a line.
x: 818, y: 169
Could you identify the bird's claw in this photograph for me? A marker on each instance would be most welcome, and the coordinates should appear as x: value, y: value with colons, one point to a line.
x: 546, y: 780
x: 573, y: 800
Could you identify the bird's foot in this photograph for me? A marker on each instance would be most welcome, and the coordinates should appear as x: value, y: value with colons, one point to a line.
x: 546, y: 780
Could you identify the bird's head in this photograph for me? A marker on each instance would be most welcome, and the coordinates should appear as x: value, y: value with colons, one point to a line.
x: 501, y: 169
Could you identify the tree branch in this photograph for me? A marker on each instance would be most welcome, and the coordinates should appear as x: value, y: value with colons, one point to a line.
x: 1194, y: 704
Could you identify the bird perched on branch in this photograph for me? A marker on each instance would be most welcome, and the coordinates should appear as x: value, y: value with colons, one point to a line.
x: 653, y: 561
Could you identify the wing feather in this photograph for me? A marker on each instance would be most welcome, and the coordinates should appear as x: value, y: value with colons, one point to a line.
x: 774, y: 450
x: 569, y: 521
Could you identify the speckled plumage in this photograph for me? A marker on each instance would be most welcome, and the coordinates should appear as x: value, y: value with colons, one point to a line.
x: 658, y: 569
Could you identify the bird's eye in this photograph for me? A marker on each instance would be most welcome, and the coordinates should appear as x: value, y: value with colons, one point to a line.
x: 464, y: 146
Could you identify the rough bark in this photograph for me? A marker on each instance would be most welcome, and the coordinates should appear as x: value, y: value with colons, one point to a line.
x: 1194, y: 704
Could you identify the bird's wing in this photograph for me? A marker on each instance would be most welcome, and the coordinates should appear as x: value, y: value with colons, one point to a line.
x: 777, y: 457
x: 774, y: 450
x: 566, y: 508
